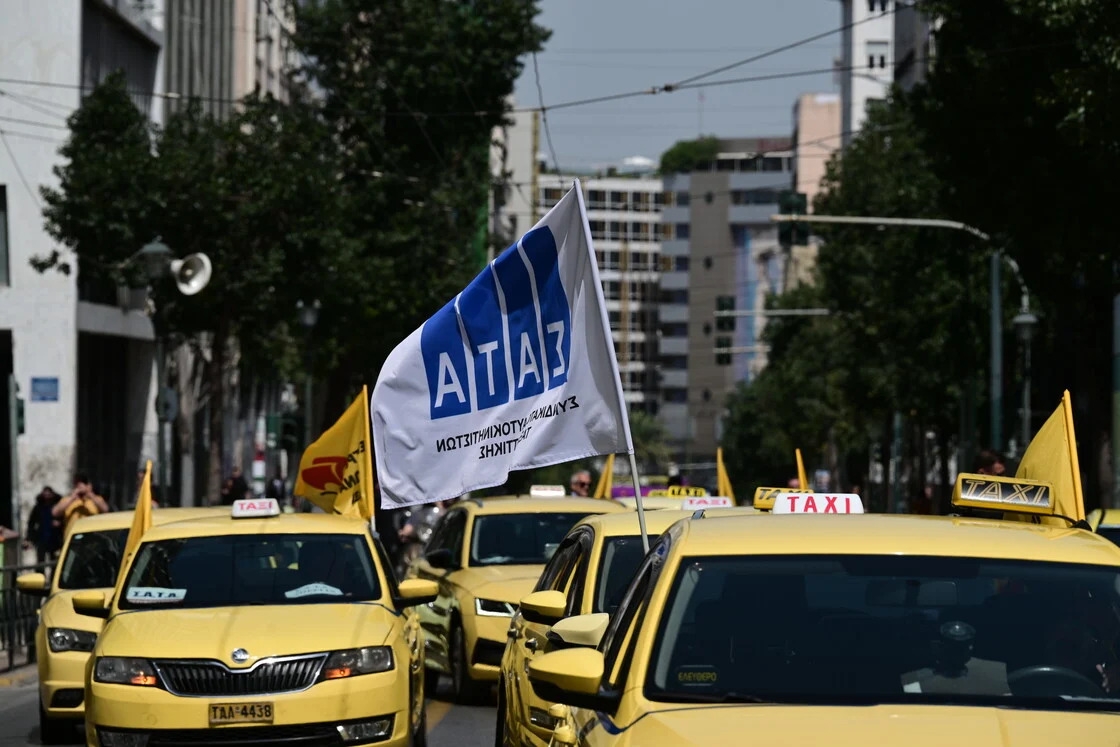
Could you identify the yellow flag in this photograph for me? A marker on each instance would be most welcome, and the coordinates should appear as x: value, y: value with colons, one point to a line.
x: 801, y: 477
x: 141, y: 520
x: 603, y: 489
x: 1052, y: 456
x: 336, y: 472
x: 723, y: 481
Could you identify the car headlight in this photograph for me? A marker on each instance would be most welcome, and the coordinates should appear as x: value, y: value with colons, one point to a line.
x: 355, y: 661
x: 493, y: 608
x: 65, y: 639
x: 124, y: 671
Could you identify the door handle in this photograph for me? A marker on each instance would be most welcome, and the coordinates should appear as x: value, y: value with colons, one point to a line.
x: 531, y: 644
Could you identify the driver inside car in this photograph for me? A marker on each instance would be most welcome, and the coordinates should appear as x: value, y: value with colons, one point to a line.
x: 1084, y: 639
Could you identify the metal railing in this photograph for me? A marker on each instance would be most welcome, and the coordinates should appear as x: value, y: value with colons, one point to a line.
x: 19, y: 616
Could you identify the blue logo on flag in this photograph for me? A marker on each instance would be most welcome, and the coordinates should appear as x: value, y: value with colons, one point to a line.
x: 507, y: 335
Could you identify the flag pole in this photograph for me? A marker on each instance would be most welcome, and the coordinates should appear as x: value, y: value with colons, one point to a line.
x: 638, y: 500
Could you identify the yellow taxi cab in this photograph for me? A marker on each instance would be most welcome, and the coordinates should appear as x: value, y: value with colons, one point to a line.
x: 485, y: 554
x: 677, y: 498
x: 269, y: 628
x: 586, y: 576
x: 1105, y: 522
x: 813, y: 627
x: 90, y: 559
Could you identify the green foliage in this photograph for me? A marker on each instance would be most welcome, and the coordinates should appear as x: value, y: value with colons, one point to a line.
x: 650, y: 441
x: 689, y: 155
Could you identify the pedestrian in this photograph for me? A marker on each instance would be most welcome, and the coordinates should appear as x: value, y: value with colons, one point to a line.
x: 82, y: 501
x: 44, y: 530
x: 990, y: 462
x: 238, y: 488
x: 581, y: 484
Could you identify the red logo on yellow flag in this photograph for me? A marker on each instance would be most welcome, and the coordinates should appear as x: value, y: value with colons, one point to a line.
x: 336, y: 471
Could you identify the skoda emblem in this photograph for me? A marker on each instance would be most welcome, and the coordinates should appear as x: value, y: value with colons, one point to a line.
x: 239, y: 656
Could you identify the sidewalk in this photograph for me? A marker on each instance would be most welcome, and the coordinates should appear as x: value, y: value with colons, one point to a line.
x: 19, y: 676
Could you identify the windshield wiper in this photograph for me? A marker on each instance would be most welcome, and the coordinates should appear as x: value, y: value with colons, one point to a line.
x: 727, y: 697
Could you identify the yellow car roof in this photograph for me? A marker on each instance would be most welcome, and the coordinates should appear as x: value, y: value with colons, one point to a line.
x: 222, y: 524
x: 883, y: 534
x: 625, y: 524
x: 123, y: 519
x: 1110, y: 517
x: 526, y: 505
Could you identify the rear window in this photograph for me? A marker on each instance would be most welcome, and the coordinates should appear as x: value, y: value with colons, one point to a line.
x: 237, y: 570
x: 92, y: 560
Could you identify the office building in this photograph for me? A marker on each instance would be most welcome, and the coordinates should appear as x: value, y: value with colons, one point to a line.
x: 913, y: 44
x: 866, y: 66
x: 719, y: 251
x: 816, y: 137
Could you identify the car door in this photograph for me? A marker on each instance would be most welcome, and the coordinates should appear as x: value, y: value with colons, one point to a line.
x: 529, y: 638
x: 436, y: 616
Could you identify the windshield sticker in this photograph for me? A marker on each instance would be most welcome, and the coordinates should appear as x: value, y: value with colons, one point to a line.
x: 309, y: 590
x: 154, y: 595
x: 697, y: 675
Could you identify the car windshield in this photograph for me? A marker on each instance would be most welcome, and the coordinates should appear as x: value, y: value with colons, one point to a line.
x: 519, y: 539
x: 874, y: 629
x: 620, y: 559
x: 1112, y: 534
x: 92, y: 560
x: 234, y: 570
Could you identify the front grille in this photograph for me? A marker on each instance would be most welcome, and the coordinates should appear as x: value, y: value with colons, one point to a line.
x: 296, y: 735
x: 282, y: 674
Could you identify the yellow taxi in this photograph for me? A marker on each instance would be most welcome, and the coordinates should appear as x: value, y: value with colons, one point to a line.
x: 269, y: 628
x: 586, y: 576
x: 90, y: 559
x: 485, y: 554
x: 1105, y: 522
x: 815, y: 627
x: 678, y: 498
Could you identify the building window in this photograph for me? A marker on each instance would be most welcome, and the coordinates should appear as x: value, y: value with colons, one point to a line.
x: 681, y: 230
x: 597, y: 198
x: 3, y: 235
x: 675, y: 395
x: 877, y: 52
x: 552, y: 196
x: 674, y: 296
x: 674, y: 329
x: 681, y: 264
x: 682, y: 199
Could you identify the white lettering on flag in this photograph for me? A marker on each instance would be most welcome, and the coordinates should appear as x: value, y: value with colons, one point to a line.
x: 517, y: 371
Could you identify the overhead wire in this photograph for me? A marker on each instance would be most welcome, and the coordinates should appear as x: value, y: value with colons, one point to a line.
x: 544, y: 113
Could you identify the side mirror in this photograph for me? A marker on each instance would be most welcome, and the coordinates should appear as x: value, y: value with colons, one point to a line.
x: 573, y: 678
x: 544, y: 607
x: 581, y: 631
x: 32, y: 584
x: 91, y: 604
x: 415, y: 591
x: 442, y: 559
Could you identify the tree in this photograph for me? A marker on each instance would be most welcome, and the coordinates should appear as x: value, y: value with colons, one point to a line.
x: 256, y: 193
x: 650, y: 441
x: 414, y: 119
x: 688, y: 155
x: 1020, y: 116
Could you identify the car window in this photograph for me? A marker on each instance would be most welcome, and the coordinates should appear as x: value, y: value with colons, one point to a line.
x: 618, y: 561
x: 619, y: 638
x: 233, y: 570
x: 519, y: 539
x: 1112, y: 534
x: 93, y: 560
x: 556, y: 571
x: 843, y: 629
x: 387, y: 567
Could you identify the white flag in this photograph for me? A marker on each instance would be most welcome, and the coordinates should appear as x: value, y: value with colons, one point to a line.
x: 517, y: 371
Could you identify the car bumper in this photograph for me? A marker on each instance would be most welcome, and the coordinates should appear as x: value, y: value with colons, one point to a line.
x: 62, y: 683
x: 121, y: 715
x: 485, y: 655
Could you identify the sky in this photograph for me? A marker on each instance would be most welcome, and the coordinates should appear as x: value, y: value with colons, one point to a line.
x: 601, y: 47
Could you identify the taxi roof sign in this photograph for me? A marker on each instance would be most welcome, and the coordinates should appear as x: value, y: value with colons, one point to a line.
x: 1015, y: 494
x: 764, y: 498
x: 788, y: 502
x: 706, y: 501
x: 547, y: 491
x: 679, y: 491
x: 255, y: 508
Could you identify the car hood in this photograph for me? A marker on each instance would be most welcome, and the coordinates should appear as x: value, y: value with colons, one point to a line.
x: 213, y: 633
x: 503, y: 583
x: 841, y: 726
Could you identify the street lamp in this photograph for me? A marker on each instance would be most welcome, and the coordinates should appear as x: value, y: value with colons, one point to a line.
x: 308, y: 318
x: 1024, y: 324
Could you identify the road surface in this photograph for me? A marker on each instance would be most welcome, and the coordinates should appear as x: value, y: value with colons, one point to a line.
x: 448, y: 725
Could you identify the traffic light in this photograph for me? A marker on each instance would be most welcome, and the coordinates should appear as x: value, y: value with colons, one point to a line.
x: 291, y: 426
x: 793, y: 233
x: 723, y: 358
x: 725, y: 323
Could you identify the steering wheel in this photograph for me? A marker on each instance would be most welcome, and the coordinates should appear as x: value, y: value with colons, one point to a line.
x: 1045, y: 681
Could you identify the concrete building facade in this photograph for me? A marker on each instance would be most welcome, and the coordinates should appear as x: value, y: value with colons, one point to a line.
x: 79, y: 353
x: 867, y: 58
x: 816, y: 137
x: 625, y: 218
x: 719, y: 250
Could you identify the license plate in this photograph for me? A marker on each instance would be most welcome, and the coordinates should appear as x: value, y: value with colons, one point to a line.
x: 240, y: 713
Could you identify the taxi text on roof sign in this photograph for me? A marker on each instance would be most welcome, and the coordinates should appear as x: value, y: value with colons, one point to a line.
x: 707, y: 501
x: 547, y: 491
x: 1004, y: 493
x: 253, y: 508
x: 764, y: 498
x: 817, y: 503
x: 675, y: 491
